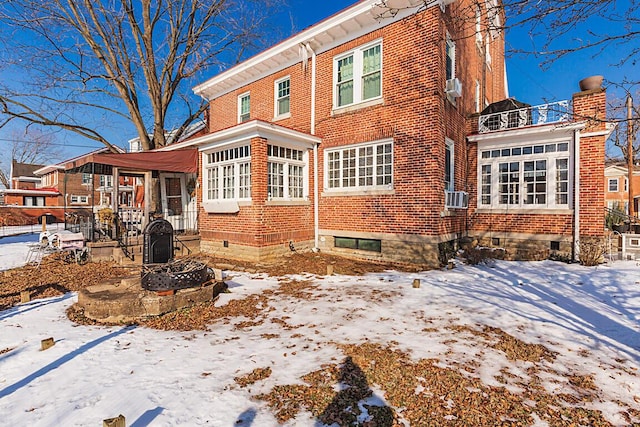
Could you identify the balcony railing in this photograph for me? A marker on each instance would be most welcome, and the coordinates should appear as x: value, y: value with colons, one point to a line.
x: 531, y: 116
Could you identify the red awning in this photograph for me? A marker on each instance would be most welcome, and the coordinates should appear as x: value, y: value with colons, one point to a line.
x: 165, y: 161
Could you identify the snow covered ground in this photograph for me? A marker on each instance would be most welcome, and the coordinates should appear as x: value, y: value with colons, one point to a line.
x: 589, y: 316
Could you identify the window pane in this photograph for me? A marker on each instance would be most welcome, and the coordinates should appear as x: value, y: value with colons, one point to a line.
x: 371, y: 62
x: 275, y: 184
x: 345, y: 81
x: 283, y: 96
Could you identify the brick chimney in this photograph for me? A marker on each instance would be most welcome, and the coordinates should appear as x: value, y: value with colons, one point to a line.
x: 589, y: 106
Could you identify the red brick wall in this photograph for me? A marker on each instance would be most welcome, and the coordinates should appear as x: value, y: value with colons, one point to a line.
x: 591, y: 106
x: 414, y: 112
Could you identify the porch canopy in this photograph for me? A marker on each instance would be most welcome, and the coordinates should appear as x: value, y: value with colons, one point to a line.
x: 185, y: 160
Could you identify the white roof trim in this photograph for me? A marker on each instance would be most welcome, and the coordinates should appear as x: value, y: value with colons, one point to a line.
x: 532, y: 133
x: 353, y: 22
x: 248, y: 130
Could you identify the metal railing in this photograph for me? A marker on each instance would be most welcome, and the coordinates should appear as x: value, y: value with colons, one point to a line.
x: 554, y: 112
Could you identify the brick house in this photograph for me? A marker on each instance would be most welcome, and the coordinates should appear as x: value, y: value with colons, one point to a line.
x: 361, y: 136
x: 616, y: 183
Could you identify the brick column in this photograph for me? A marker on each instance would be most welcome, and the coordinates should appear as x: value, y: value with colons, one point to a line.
x: 590, y: 107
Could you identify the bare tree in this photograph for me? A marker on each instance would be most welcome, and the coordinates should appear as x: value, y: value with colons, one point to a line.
x: 31, y: 146
x: 81, y: 65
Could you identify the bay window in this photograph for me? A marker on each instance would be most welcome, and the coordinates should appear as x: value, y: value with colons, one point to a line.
x: 286, y: 172
x: 228, y: 174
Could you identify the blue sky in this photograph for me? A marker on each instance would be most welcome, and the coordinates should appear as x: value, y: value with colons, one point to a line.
x: 528, y: 82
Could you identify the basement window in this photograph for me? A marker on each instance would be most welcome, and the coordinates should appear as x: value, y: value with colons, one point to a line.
x: 372, y: 245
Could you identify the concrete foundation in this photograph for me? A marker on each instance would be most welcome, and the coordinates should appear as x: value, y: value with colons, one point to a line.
x: 127, y: 301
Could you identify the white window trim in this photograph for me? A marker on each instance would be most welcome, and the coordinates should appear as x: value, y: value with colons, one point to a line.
x: 451, y: 44
x: 551, y: 158
x: 357, y: 76
x: 276, y: 115
x: 79, y: 200
x: 240, y: 97
x: 206, y: 166
x: 449, y: 143
x: 372, y: 189
x: 286, y: 162
x: 609, y: 182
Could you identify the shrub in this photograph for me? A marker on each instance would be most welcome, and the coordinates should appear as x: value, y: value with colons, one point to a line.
x: 592, y: 250
x: 481, y: 255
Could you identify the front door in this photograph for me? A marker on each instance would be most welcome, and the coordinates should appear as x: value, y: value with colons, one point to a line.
x: 174, y: 199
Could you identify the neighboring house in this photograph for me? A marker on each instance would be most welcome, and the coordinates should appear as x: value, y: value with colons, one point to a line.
x: 27, y: 200
x: 82, y: 191
x: 361, y: 136
x: 22, y: 176
x: 616, y: 182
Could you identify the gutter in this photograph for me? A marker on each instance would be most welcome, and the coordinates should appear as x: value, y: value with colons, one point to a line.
x: 576, y: 199
x: 316, y: 195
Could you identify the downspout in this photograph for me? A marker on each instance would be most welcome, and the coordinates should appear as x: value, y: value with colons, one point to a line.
x: 316, y: 196
x: 575, y: 255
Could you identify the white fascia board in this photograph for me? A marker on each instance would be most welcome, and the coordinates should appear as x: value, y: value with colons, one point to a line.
x: 34, y: 192
x: 47, y: 169
x: 246, y: 131
x: 313, y: 36
x: 533, y: 133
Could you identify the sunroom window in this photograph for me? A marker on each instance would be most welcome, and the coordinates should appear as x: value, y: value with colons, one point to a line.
x: 228, y: 174
x: 286, y: 169
x: 524, y: 176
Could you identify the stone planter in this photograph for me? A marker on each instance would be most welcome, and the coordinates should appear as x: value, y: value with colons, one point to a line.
x: 591, y: 83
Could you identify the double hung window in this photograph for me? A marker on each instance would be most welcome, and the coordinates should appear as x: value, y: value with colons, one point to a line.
x: 244, y: 107
x: 358, y: 75
x: 283, y: 97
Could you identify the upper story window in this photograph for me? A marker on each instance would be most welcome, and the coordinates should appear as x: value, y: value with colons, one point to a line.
x: 525, y: 176
x: 357, y: 75
x: 106, y: 181
x: 362, y: 167
x: 286, y: 173
x: 227, y: 174
x: 244, y: 107
x: 451, y: 58
x: 86, y: 178
x: 613, y: 185
x: 282, y: 98
x: 79, y: 200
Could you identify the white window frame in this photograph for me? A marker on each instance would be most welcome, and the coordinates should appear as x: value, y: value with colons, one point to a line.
x: 609, y: 186
x: 87, y: 178
x: 237, y: 164
x: 357, y: 75
x: 287, y: 163
x: 551, y: 171
x: 106, y: 181
x: 338, y: 154
x: 450, y: 146
x: 450, y: 52
x: 79, y: 200
x: 277, y: 98
x: 241, y: 118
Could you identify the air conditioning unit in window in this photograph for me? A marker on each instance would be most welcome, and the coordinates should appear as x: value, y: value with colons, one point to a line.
x: 456, y: 199
x: 454, y: 88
